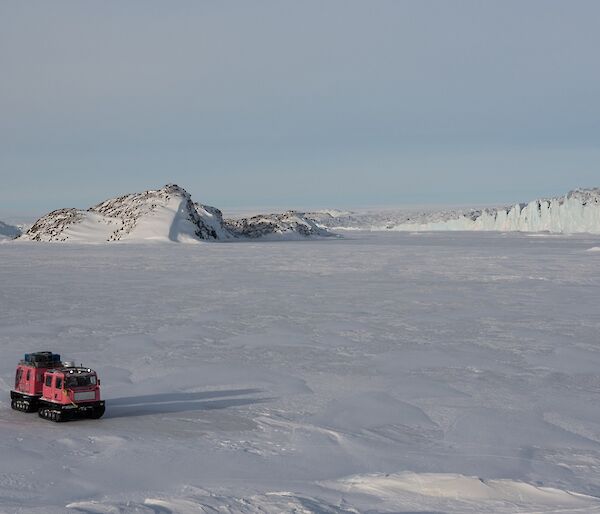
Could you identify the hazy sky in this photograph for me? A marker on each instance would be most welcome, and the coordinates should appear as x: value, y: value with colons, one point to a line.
x: 298, y: 104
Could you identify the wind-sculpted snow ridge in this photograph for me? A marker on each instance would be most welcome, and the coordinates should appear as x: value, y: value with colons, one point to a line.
x: 8, y: 231
x: 204, y: 502
x: 288, y: 225
x: 578, y: 211
x: 451, y: 492
x: 401, y: 492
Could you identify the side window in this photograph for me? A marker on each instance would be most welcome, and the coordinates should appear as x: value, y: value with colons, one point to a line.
x: 28, y: 375
x: 48, y: 380
x: 18, y: 377
x: 93, y: 380
x: 58, y: 383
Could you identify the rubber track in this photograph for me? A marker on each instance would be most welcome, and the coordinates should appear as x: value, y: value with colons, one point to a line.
x: 51, y: 414
x: 23, y: 405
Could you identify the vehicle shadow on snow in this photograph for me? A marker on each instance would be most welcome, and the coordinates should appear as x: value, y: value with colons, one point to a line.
x: 165, y: 403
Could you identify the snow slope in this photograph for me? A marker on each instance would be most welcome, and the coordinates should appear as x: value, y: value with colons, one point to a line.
x: 380, y: 373
x: 8, y: 231
x: 578, y: 211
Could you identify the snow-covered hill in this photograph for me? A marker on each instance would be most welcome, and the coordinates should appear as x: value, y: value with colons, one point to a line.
x: 577, y: 211
x: 288, y: 225
x: 167, y: 214
x: 8, y: 231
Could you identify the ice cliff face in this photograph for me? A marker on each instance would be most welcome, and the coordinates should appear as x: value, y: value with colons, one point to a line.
x: 167, y: 214
x: 8, y: 231
x: 578, y: 211
x: 289, y: 225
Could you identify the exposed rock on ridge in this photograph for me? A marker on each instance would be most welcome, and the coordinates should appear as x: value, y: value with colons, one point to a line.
x: 288, y: 225
x: 134, y: 207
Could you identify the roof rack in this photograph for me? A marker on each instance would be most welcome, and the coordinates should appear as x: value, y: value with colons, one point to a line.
x: 42, y: 360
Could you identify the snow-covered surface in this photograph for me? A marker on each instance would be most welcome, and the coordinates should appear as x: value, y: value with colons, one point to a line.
x: 578, y: 211
x: 8, y: 232
x: 378, y: 373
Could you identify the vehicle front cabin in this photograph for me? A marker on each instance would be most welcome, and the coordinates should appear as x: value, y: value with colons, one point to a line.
x: 71, y: 386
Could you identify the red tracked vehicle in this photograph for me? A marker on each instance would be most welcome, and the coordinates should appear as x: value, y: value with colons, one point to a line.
x: 57, y: 391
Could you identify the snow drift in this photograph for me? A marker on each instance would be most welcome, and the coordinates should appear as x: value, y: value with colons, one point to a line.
x: 577, y: 211
x: 167, y: 214
x: 445, y: 492
x: 454, y: 492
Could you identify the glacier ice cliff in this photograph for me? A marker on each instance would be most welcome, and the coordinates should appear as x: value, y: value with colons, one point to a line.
x: 577, y: 211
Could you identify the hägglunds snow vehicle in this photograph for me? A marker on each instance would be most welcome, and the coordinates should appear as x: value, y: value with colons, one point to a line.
x: 59, y: 391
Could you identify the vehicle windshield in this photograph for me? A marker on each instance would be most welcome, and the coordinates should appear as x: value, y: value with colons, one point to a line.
x: 80, y: 380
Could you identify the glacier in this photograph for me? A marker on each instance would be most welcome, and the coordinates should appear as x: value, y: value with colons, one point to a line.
x: 576, y: 212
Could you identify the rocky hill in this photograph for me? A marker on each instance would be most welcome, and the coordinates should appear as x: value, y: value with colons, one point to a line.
x: 288, y: 225
x: 166, y: 214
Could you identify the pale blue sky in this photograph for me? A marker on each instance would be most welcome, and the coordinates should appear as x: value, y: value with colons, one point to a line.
x: 298, y: 104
